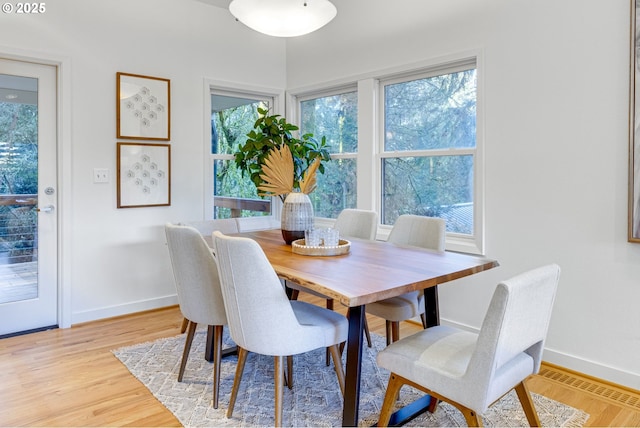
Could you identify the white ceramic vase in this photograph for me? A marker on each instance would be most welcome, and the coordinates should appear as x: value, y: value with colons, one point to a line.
x: 297, y: 216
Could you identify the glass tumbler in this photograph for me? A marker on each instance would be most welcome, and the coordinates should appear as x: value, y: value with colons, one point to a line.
x: 312, y: 237
x: 331, y: 237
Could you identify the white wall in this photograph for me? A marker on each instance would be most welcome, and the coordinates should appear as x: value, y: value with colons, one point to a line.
x: 117, y: 261
x: 556, y: 79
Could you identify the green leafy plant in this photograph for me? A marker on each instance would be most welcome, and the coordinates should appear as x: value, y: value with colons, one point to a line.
x: 272, y: 132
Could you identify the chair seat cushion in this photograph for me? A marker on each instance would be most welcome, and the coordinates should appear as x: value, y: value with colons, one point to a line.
x: 439, y: 349
x: 438, y: 358
x: 333, y: 327
x: 398, y: 308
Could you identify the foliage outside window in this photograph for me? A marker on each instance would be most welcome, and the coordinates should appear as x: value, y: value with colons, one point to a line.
x: 429, y: 148
x: 425, y: 161
x: 232, y: 118
x: 18, y: 176
x: 336, y: 118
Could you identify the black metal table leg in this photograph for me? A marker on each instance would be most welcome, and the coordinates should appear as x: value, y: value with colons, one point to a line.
x: 353, y: 368
x: 432, y: 311
x: 208, y: 352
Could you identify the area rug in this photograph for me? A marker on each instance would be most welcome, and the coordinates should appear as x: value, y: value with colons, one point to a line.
x: 314, y: 401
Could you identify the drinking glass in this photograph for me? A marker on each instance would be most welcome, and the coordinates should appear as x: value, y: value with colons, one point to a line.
x: 331, y: 237
x: 312, y: 237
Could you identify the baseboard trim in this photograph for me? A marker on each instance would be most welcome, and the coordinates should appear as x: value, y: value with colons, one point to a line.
x: 605, y: 390
x: 585, y: 368
x: 124, y: 309
x: 593, y: 370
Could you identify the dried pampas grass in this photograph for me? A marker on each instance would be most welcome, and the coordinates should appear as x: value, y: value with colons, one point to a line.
x: 278, y: 174
x: 308, y: 182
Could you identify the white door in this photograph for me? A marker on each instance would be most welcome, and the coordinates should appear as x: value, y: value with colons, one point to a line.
x: 28, y: 196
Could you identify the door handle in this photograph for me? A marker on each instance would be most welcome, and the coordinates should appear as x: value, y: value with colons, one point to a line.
x: 45, y: 209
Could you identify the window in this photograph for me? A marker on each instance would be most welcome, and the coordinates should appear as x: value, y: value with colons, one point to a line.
x: 232, y: 117
x: 335, y: 117
x: 409, y: 143
x: 401, y: 143
x: 429, y: 147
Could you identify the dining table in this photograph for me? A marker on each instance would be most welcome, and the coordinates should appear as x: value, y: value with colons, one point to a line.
x: 370, y: 271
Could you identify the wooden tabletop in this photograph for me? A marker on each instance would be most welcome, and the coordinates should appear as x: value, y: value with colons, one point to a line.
x: 371, y: 271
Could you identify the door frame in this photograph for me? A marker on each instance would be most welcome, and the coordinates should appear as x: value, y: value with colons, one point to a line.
x: 64, y: 166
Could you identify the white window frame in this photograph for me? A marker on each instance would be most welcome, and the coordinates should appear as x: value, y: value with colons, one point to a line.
x: 294, y: 110
x: 370, y: 137
x: 454, y: 241
x: 233, y: 89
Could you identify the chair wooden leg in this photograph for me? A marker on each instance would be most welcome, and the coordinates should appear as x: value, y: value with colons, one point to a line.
x: 187, y: 347
x: 337, y: 365
x: 527, y: 404
x: 208, y: 350
x: 395, y: 331
x: 388, y: 331
x: 289, y: 378
x: 242, y: 359
x: 433, y: 405
x: 393, y: 389
x: 278, y: 374
x: 366, y: 331
x: 473, y: 419
x: 183, y: 327
x: 423, y: 318
x: 217, y: 357
x: 328, y: 354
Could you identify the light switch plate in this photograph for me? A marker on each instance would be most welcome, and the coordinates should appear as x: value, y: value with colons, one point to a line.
x: 100, y: 175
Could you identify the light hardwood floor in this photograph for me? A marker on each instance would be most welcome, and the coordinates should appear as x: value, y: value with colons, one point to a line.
x: 69, y: 377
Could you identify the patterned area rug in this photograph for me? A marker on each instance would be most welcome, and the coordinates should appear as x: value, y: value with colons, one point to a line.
x: 315, y: 400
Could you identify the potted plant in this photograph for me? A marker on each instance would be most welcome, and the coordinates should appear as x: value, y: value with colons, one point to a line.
x: 279, y: 164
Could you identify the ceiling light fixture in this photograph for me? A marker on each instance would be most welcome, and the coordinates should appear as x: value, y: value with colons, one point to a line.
x: 283, y: 18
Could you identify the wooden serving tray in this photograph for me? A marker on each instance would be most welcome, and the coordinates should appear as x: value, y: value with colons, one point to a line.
x: 299, y: 247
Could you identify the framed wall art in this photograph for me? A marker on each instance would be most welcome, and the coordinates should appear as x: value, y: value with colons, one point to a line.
x: 144, y: 175
x: 143, y: 107
x: 634, y: 127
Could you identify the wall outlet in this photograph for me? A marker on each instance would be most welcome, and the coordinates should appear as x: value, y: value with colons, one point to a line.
x: 100, y: 175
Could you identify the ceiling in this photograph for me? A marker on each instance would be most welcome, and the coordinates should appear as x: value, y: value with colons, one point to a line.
x: 218, y: 3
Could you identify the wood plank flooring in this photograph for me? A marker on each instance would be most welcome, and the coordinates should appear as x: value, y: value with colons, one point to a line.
x: 69, y: 377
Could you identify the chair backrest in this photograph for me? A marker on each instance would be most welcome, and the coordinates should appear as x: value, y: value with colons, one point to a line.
x: 207, y: 227
x: 260, y: 315
x: 196, y: 276
x: 419, y: 231
x: 355, y: 223
x: 248, y: 224
x: 517, y: 321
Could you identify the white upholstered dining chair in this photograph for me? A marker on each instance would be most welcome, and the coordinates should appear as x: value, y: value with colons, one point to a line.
x: 199, y: 295
x: 263, y: 320
x: 357, y: 223
x: 472, y: 371
x: 418, y: 231
x: 206, y: 228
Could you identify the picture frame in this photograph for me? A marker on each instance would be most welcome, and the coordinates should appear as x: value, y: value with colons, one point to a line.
x: 143, y: 175
x: 143, y: 107
x: 634, y: 128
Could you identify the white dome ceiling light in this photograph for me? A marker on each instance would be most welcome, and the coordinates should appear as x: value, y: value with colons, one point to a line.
x: 283, y: 18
